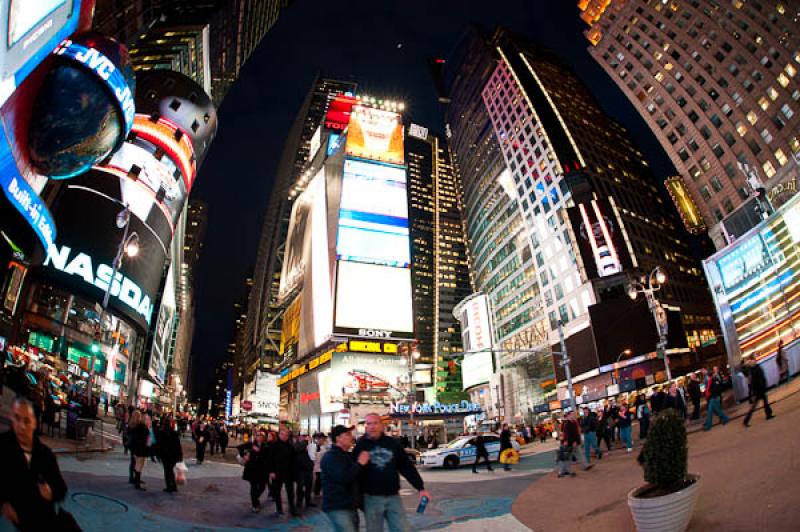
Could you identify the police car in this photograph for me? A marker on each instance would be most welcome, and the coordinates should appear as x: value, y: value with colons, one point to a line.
x: 462, y: 451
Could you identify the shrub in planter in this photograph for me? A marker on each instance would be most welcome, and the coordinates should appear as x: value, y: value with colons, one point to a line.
x: 665, y: 455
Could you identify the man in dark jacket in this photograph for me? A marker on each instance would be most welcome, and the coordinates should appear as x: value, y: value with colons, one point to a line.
x: 340, y: 480
x: 200, y: 436
x: 31, y: 482
x: 169, y: 451
x: 758, y: 390
x: 481, y: 452
x: 304, y: 473
x: 282, y: 470
x: 380, y: 482
x: 694, y: 394
x: 255, y: 457
x: 505, y: 443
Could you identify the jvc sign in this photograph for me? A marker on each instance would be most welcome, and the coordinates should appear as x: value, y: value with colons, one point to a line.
x: 81, y: 265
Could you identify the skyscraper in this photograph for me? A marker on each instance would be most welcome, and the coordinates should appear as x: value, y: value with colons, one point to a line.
x: 440, y: 271
x: 717, y: 84
x: 579, y: 205
x: 262, y: 335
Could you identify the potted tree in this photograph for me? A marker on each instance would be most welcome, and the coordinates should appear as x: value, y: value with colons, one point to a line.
x: 665, y: 503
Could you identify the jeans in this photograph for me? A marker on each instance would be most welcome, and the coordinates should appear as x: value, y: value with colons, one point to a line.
x: 625, y: 436
x: 714, y: 407
x: 378, y: 507
x: 589, y: 444
x: 756, y: 399
x: 644, y: 426
x: 279, y: 484
x: 343, y: 520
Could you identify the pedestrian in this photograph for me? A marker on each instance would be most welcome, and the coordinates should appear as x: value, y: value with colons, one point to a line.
x: 564, y: 457
x: 675, y: 401
x: 321, y: 449
x: 339, y: 474
x: 31, y: 483
x: 783, y: 364
x: 282, y: 471
x: 714, y: 396
x: 602, y: 429
x: 212, y: 438
x: 139, y: 444
x: 643, y: 415
x: 571, y: 430
x: 254, y: 455
x: 380, y: 482
x: 624, y: 421
x: 588, y: 426
x: 694, y: 395
x: 223, y: 438
x: 505, y: 443
x: 170, y: 452
x: 200, y: 437
x: 658, y: 400
x: 304, y: 472
x: 758, y: 390
x: 481, y: 452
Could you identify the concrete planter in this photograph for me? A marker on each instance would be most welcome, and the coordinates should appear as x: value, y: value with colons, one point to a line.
x: 669, y: 513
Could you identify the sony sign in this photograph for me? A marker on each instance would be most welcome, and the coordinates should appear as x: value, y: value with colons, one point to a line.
x: 82, y: 265
x: 374, y: 333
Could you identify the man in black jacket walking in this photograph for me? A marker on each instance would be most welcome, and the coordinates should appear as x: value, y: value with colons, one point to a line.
x: 168, y: 445
x: 282, y: 471
x: 339, y: 474
x: 381, y: 480
x: 481, y: 452
x: 31, y: 482
x: 758, y: 390
x: 694, y: 394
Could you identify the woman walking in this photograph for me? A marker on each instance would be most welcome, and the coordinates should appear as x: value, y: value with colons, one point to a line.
x: 170, y: 452
x: 138, y: 441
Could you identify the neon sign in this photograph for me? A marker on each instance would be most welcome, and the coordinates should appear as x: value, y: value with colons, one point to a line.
x: 121, y: 287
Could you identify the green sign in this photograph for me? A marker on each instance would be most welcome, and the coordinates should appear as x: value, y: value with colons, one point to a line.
x: 42, y: 341
x: 75, y: 355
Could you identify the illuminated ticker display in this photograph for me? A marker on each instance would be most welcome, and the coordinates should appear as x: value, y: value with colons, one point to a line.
x: 756, y: 283
x: 172, y: 140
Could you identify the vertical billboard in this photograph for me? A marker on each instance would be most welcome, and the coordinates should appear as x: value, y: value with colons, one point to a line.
x: 162, y: 334
x: 298, y: 244
x: 473, y: 314
x: 373, y: 215
x: 687, y: 208
x: 375, y: 134
x: 266, y: 401
x: 290, y: 328
x: 599, y: 236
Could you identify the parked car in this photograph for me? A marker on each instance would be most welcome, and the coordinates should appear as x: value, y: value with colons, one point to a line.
x: 462, y: 450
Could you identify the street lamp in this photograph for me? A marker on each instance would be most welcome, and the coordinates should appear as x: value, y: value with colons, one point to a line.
x: 649, y: 286
x: 626, y: 352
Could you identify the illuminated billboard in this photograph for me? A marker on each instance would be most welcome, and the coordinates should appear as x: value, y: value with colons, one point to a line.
x: 162, y: 334
x: 373, y: 215
x: 266, y: 401
x: 375, y: 134
x: 297, y: 244
x: 362, y: 378
x: 473, y: 314
x: 690, y: 215
x: 339, y: 110
x: 374, y: 301
x: 755, y: 283
x: 476, y: 368
x: 290, y: 329
x: 598, y: 230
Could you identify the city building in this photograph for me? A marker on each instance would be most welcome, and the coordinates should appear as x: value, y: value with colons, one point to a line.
x: 263, y: 332
x: 440, y: 269
x: 717, y: 84
x: 562, y: 214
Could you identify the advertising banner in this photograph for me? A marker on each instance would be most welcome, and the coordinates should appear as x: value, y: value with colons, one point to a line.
x: 373, y: 215
x: 290, y: 329
x: 367, y: 378
x: 266, y: 401
x: 473, y: 314
x: 599, y: 238
x: 298, y: 244
x: 476, y: 368
x: 375, y: 134
x: 162, y: 335
x: 339, y: 110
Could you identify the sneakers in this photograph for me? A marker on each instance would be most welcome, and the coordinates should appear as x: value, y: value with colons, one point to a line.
x: 630, y: 449
x: 588, y: 467
x: 770, y: 417
x: 255, y: 509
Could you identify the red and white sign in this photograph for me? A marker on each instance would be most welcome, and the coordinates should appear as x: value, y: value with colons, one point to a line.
x: 247, y: 405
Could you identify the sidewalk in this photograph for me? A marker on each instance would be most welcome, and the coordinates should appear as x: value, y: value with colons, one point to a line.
x: 748, y: 476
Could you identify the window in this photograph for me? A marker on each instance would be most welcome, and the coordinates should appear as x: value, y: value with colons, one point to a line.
x: 705, y: 192
x: 752, y: 117
x: 683, y: 154
x: 783, y: 80
x: 716, y: 121
x: 728, y: 205
x: 693, y: 145
x: 705, y: 164
x: 729, y: 140
x: 763, y: 103
x: 716, y: 184
x: 727, y: 109
x: 718, y: 151
x: 790, y: 70
x: 781, y: 157
x: 769, y: 169
x: 741, y: 129
x: 787, y: 110
x: 765, y: 134
x: 772, y: 93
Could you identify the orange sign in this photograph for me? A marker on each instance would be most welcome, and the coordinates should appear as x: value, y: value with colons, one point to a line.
x: 375, y: 134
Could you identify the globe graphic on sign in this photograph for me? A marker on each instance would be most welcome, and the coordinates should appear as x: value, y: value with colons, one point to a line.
x: 75, y: 121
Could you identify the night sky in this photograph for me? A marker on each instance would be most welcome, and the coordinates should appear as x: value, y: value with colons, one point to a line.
x: 383, y: 45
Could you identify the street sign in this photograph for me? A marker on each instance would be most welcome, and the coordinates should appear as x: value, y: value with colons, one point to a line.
x: 247, y: 405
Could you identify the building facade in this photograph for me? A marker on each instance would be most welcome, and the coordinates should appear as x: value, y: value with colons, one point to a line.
x: 440, y: 269
x: 717, y: 84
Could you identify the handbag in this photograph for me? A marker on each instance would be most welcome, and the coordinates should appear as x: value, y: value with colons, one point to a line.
x: 180, y: 473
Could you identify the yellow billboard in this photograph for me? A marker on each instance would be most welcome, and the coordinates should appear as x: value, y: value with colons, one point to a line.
x: 290, y: 330
x: 687, y: 208
x: 375, y: 134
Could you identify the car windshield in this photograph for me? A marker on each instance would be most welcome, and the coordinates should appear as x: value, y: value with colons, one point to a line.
x: 457, y: 443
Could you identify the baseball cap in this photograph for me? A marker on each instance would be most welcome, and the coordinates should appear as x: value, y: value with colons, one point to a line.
x: 338, y: 430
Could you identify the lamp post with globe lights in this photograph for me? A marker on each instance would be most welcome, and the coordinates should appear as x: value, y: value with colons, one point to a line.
x: 624, y: 353
x: 649, y: 286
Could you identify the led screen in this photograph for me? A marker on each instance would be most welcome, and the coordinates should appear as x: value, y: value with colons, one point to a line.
x: 375, y: 134
x: 356, y: 377
x: 162, y: 335
x: 476, y: 368
x: 373, y: 215
x: 24, y: 15
x: 373, y: 297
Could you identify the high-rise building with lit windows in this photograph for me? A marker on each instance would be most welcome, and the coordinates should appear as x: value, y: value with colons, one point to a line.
x: 562, y: 213
x: 439, y: 271
x: 717, y: 82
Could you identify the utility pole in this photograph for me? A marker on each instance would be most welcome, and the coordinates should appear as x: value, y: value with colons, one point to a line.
x: 564, y: 362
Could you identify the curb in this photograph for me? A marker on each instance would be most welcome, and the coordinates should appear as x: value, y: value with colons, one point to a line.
x: 61, y: 450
